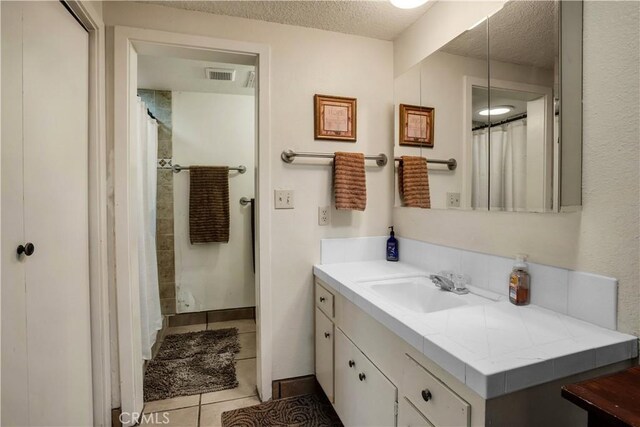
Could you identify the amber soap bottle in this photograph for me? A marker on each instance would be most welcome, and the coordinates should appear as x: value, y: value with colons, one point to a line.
x: 519, y: 282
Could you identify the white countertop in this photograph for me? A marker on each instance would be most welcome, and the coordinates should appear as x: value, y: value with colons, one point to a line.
x: 494, y: 348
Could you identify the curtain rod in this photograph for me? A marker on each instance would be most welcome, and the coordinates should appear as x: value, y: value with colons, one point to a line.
x: 287, y: 156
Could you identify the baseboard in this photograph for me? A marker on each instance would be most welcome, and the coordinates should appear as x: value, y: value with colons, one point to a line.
x: 184, y: 319
x: 290, y: 387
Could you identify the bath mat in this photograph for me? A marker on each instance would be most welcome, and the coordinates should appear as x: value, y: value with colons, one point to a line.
x: 193, y: 363
x: 307, y: 410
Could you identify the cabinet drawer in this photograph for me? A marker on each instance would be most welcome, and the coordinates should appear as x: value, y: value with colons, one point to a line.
x: 364, y: 395
x: 324, y: 353
x: 437, y: 402
x: 324, y: 300
x: 409, y: 416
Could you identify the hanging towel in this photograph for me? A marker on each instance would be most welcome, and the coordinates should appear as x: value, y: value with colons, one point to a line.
x: 413, y: 182
x: 349, y: 181
x: 209, y: 204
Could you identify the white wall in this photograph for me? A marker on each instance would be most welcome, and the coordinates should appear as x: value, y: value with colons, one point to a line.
x: 216, y: 130
x: 604, y: 237
x: 438, y: 82
x: 303, y: 62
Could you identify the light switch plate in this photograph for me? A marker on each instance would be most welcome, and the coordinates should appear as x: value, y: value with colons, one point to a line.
x: 284, y: 199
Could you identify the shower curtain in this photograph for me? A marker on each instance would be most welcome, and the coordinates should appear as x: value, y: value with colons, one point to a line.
x: 503, y: 183
x: 147, y: 150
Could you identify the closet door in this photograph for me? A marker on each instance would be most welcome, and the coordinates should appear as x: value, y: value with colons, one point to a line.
x: 52, y: 319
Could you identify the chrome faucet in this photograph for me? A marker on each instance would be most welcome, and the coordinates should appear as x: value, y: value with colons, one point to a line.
x: 447, y: 284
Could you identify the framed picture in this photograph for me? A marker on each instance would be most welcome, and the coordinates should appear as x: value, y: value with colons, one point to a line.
x: 416, y: 125
x: 335, y: 118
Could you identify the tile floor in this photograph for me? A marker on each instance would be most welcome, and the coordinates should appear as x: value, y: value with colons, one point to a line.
x: 205, y: 410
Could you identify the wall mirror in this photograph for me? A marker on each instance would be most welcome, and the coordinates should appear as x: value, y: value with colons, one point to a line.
x: 506, y: 104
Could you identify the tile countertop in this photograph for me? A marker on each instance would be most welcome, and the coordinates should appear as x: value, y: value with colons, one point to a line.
x: 494, y: 348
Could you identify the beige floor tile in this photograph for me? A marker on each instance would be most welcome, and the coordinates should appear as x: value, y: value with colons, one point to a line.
x: 187, y: 417
x: 247, y: 346
x: 187, y: 328
x: 210, y: 415
x: 173, y: 403
x: 244, y: 325
x: 246, y: 374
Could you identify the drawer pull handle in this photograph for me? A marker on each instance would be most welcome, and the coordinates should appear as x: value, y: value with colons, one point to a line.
x: 352, y: 363
x: 327, y: 334
x: 322, y: 299
x: 362, y: 376
x: 426, y: 395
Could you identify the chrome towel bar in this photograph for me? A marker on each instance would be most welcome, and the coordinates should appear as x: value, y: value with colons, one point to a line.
x: 452, y: 164
x: 177, y: 168
x: 287, y: 156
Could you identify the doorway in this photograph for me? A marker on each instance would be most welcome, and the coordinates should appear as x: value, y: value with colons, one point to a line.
x: 132, y: 47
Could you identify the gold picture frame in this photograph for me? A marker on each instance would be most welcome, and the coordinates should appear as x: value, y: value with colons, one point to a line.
x: 335, y: 118
x: 416, y: 125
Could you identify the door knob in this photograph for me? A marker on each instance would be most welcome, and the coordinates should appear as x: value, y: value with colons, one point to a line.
x: 327, y: 334
x: 27, y: 249
x: 352, y: 363
x: 322, y: 299
x: 426, y: 395
x: 362, y: 376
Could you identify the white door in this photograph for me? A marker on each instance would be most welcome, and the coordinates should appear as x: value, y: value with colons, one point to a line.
x: 46, y: 343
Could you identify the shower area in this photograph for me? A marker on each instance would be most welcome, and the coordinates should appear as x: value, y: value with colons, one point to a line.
x: 196, y: 151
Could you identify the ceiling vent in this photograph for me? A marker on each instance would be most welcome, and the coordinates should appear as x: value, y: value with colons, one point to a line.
x: 221, y: 74
x: 251, y: 80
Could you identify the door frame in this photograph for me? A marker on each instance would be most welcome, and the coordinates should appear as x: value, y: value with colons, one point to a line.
x: 97, y: 168
x: 128, y: 323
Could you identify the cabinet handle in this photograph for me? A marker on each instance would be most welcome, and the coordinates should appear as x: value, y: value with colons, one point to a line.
x: 426, y: 395
x: 352, y: 363
x: 362, y: 376
x: 327, y: 334
x: 28, y: 249
x: 322, y: 299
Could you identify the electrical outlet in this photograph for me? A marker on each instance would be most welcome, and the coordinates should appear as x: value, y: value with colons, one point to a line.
x: 324, y: 215
x: 453, y: 200
x: 284, y: 199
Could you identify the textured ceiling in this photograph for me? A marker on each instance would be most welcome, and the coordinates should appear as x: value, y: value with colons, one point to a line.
x: 377, y: 19
x: 522, y: 32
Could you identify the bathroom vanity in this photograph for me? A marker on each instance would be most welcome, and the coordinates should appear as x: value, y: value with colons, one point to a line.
x: 393, y: 349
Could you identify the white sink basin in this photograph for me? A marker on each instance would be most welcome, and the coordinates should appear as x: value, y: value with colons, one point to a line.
x: 419, y: 294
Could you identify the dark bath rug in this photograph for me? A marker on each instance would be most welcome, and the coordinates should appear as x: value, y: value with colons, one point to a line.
x: 193, y: 363
x: 308, y: 410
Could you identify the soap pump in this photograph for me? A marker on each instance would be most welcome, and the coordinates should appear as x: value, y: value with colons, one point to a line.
x: 392, y: 246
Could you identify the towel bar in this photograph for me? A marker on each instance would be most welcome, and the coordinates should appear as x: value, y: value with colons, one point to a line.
x: 177, y: 168
x: 287, y: 156
x: 452, y: 164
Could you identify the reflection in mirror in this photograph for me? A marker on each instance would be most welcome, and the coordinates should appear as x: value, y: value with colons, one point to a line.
x: 442, y: 84
x: 507, y: 107
x: 523, y: 52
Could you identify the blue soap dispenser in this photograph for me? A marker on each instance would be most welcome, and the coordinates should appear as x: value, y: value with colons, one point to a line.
x: 392, y: 247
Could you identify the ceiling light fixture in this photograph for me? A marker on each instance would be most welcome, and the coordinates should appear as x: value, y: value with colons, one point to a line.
x: 408, y: 4
x: 496, y: 111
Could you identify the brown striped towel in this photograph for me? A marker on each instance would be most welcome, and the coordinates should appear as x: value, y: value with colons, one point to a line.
x: 349, y: 181
x: 413, y: 182
x: 209, y: 204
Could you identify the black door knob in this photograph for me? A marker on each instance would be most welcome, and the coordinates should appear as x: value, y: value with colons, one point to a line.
x: 27, y: 249
x: 327, y: 334
x: 322, y: 299
x: 362, y: 376
x: 352, y: 363
x: 426, y: 395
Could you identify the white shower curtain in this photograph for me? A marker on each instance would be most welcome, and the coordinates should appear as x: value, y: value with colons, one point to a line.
x: 147, y: 150
x: 507, y: 172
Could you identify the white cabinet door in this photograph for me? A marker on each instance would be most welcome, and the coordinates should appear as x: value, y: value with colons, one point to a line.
x: 324, y: 353
x: 50, y: 349
x: 364, y: 396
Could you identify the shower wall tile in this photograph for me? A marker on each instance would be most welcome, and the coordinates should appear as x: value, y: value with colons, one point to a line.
x: 159, y: 103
